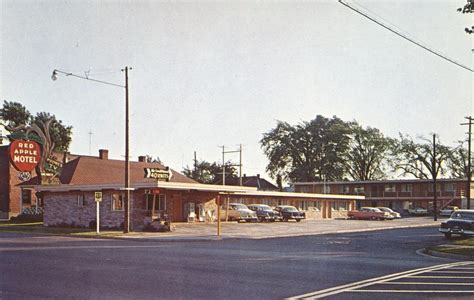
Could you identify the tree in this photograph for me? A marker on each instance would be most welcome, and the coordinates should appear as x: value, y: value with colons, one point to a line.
x: 309, y: 151
x: 14, y: 114
x: 367, y: 155
x: 206, y: 172
x: 416, y: 159
x: 466, y: 9
x: 18, y: 119
x: 457, y: 164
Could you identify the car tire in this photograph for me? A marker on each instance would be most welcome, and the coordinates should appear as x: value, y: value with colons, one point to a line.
x: 373, y: 218
x: 447, y: 235
x: 297, y: 220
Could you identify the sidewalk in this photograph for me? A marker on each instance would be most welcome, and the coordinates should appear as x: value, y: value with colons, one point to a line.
x: 233, y: 230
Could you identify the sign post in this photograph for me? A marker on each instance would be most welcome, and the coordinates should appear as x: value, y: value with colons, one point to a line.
x: 98, y: 199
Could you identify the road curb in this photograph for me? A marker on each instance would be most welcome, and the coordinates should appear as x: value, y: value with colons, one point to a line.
x: 446, y: 255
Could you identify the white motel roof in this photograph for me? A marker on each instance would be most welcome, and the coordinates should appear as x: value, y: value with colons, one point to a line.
x: 223, y: 189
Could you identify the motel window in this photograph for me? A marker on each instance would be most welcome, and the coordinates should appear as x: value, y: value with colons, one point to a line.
x: 449, y: 186
x: 117, y: 201
x: 81, y: 200
x: 342, y: 205
x: 326, y: 189
x: 430, y: 187
x: 390, y: 188
x: 315, y: 204
x: 25, y: 196
x: 303, y: 205
x: 160, y: 202
x: 406, y: 188
x: 358, y: 189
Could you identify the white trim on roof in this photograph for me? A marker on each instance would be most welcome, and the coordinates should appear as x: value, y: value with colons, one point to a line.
x: 303, y: 195
x: 381, y: 181
x: 148, y: 185
x: 223, y: 189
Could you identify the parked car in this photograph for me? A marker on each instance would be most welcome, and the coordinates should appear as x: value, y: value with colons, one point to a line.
x: 238, y: 212
x: 395, y: 214
x: 461, y: 222
x: 265, y: 213
x: 288, y: 212
x: 448, y: 211
x: 369, y: 213
x: 418, y: 211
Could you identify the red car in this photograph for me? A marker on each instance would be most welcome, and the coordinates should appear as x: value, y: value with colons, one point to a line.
x: 369, y: 213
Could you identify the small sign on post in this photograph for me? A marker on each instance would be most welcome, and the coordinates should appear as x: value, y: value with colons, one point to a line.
x: 98, y: 196
x: 98, y: 199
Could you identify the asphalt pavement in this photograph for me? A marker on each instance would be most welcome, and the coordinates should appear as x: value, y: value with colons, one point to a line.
x: 234, y: 230
x: 55, y: 267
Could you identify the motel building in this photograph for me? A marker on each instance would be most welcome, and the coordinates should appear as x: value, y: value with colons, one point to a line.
x: 400, y: 194
x: 169, y: 196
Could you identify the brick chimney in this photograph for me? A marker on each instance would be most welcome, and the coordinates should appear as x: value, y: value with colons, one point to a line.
x: 142, y: 158
x: 104, y: 154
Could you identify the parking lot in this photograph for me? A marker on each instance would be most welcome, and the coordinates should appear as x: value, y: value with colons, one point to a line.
x: 284, y: 229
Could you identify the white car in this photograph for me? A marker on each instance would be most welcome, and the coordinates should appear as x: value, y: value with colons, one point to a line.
x: 448, y: 211
x: 238, y: 212
x: 418, y: 211
x: 395, y: 214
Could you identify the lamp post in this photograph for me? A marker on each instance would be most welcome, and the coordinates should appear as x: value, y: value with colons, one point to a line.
x: 54, y: 76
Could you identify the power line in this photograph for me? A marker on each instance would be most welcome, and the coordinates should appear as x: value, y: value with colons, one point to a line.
x: 404, y: 36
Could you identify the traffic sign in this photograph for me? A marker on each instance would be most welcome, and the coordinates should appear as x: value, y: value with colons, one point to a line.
x: 98, y: 196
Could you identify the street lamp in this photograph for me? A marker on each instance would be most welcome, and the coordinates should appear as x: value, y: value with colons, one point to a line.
x: 54, y: 77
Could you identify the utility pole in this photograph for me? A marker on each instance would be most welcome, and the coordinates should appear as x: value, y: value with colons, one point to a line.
x: 469, y: 173
x: 126, y: 226
x: 195, y: 165
x: 240, y: 165
x: 232, y: 165
x: 127, y: 188
x: 434, y: 174
x: 90, y: 141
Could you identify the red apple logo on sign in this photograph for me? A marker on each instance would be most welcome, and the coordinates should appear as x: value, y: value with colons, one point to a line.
x: 24, y: 155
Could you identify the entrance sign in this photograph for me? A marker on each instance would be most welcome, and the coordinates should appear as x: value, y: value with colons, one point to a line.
x: 158, y: 174
x: 98, y: 196
x: 98, y: 199
x: 25, y: 155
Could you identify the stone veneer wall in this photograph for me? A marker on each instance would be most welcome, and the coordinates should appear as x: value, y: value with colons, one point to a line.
x: 61, y: 209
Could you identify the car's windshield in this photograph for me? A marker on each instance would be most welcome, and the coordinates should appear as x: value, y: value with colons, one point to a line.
x: 239, y: 206
x: 463, y: 215
x: 385, y: 209
x: 265, y: 208
x: 290, y: 209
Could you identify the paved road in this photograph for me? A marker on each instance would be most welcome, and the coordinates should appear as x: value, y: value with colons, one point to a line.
x: 45, y: 267
x: 284, y: 229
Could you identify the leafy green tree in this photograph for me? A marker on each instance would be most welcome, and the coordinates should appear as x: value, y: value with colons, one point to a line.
x: 416, y: 158
x: 309, y: 151
x: 367, y: 155
x: 18, y: 119
x: 206, y: 172
x: 14, y: 114
x: 468, y: 8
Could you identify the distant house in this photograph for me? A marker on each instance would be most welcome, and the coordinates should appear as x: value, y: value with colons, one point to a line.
x: 249, y: 181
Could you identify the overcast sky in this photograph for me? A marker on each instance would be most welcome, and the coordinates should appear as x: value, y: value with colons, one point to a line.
x: 207, y: 74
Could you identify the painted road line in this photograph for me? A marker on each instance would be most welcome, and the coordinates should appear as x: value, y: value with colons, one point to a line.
x: 373, y: 281
x: 413, y: 291
x: 429, y: 283
x: 423, y: 276
x: 455, y: 272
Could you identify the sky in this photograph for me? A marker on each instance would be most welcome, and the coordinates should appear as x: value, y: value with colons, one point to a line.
x: 212, y: 73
